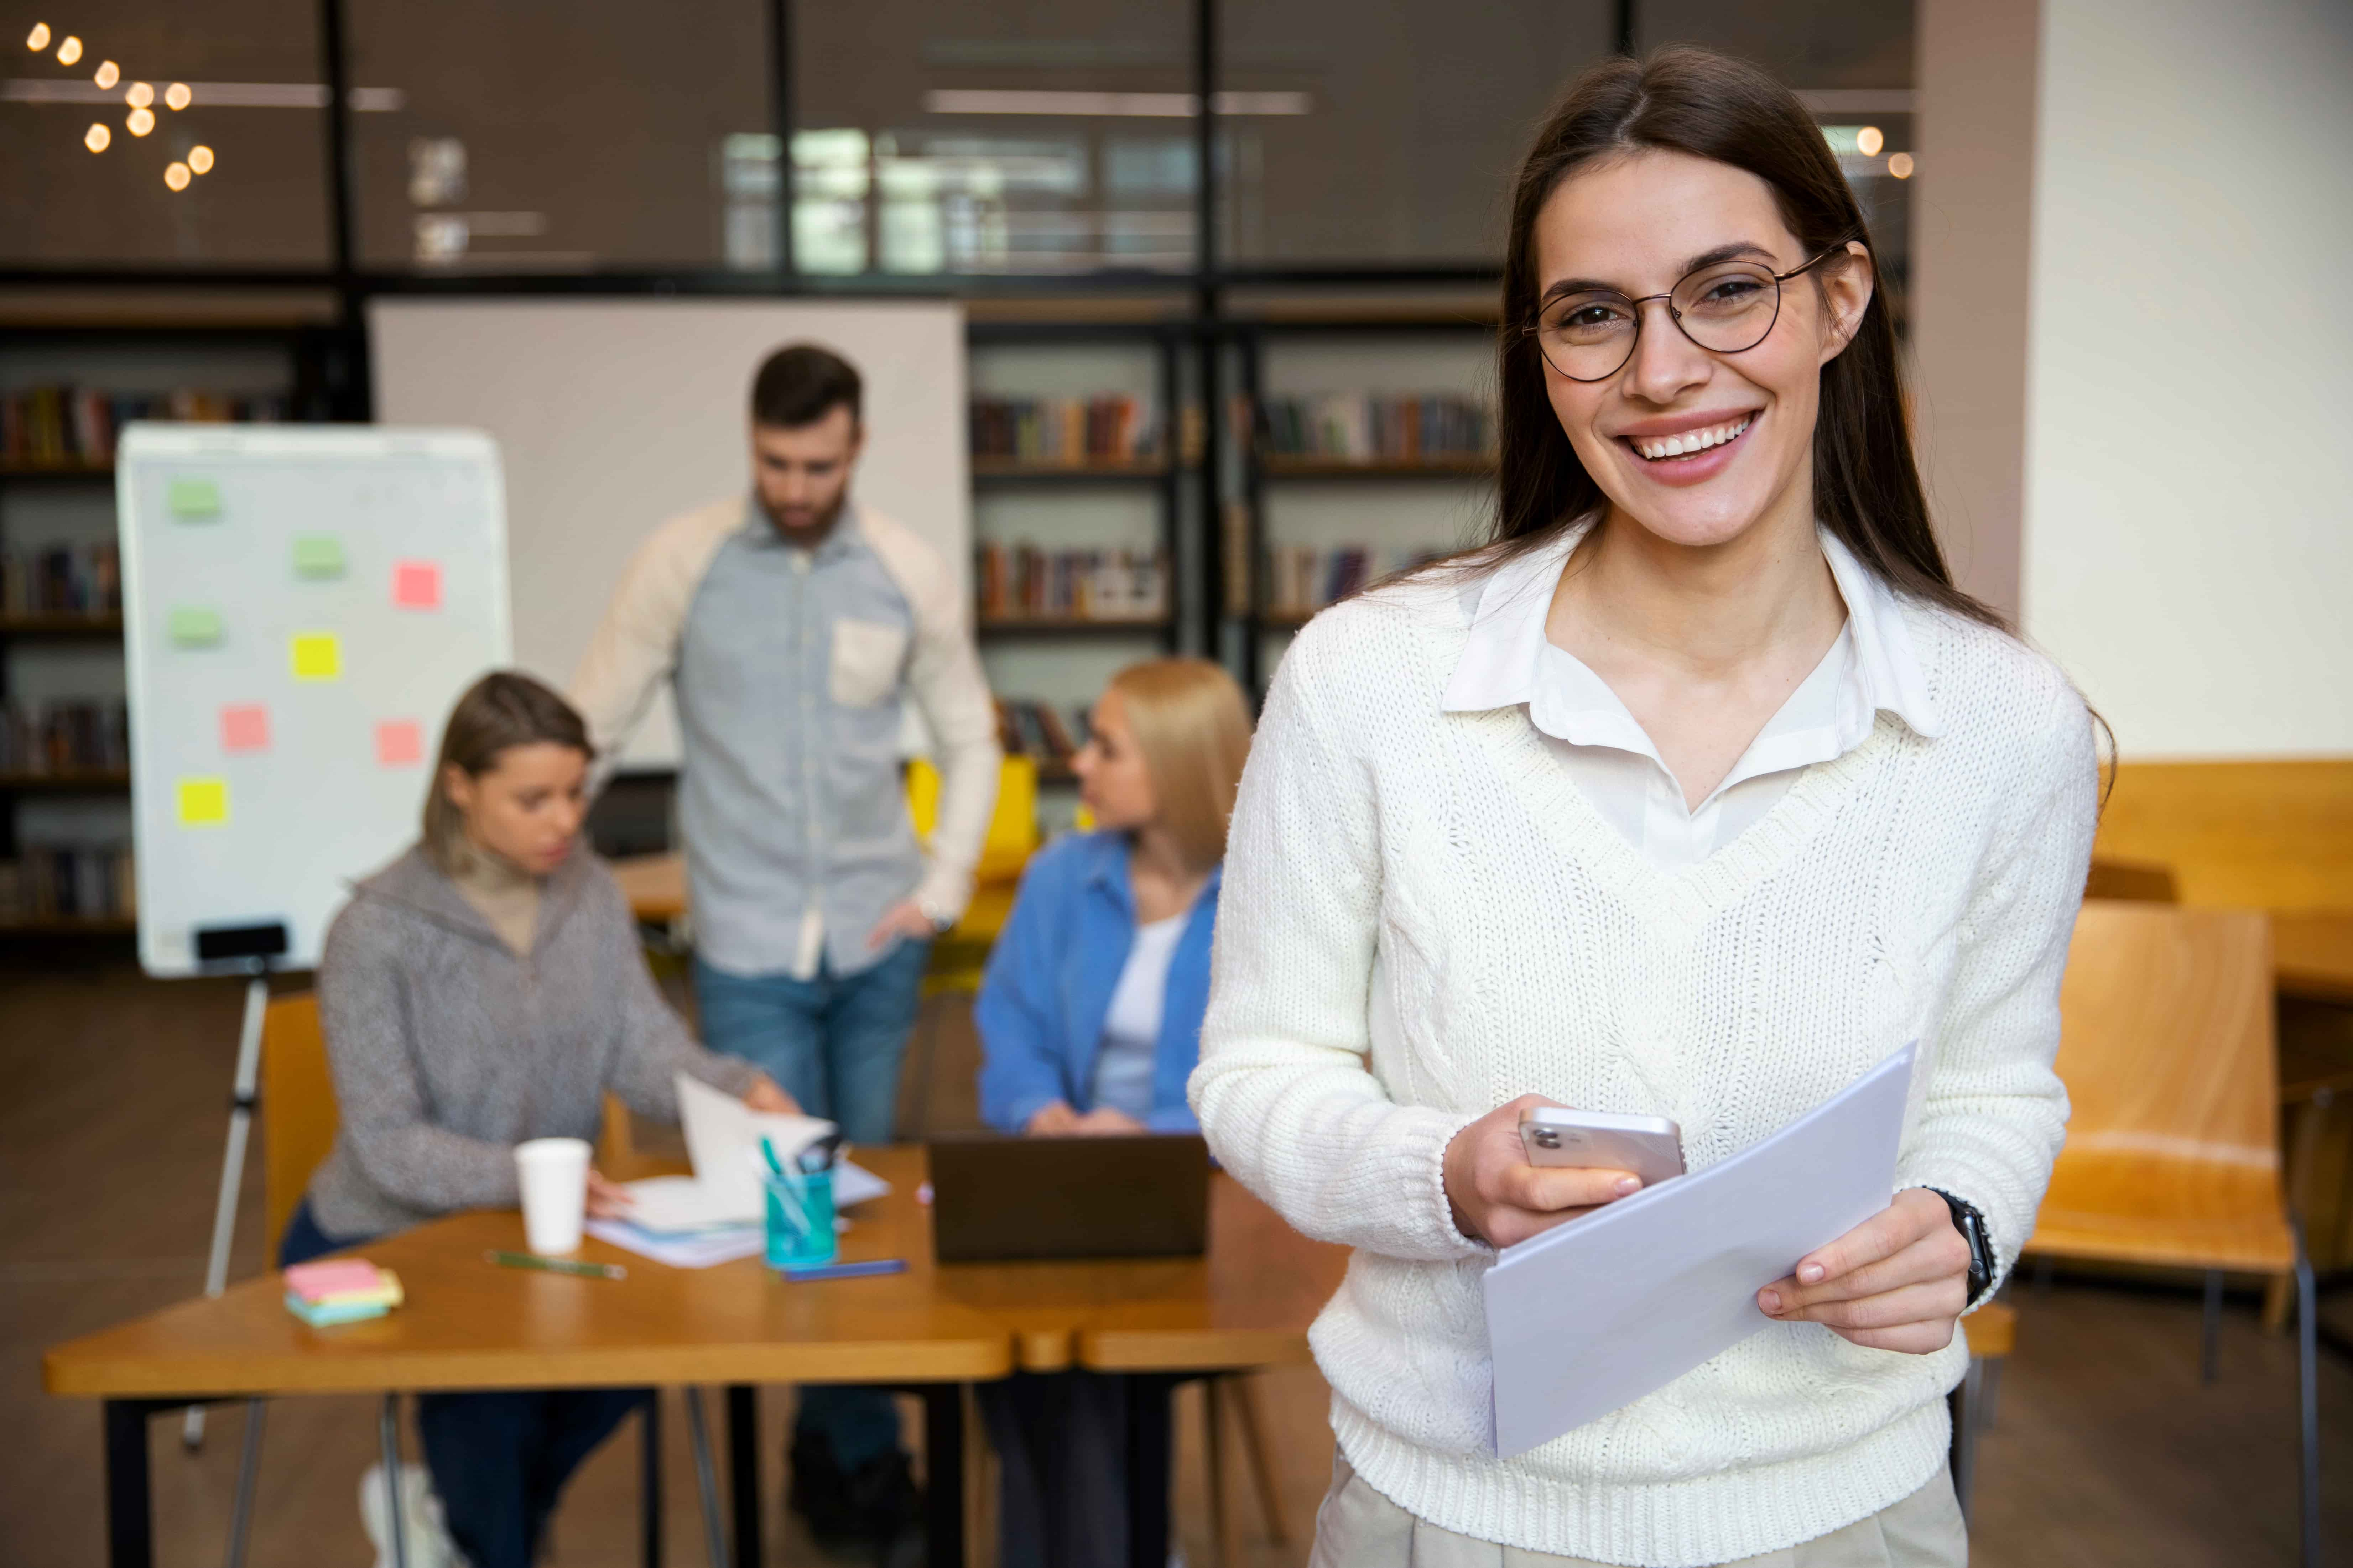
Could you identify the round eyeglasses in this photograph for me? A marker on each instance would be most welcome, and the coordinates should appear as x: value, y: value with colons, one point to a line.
x: 1727, y: 309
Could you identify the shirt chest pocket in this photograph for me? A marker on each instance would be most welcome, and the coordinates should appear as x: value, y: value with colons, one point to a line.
x: 865, y: 663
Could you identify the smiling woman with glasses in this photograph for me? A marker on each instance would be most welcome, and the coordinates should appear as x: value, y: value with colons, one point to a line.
x: 1696, y: 792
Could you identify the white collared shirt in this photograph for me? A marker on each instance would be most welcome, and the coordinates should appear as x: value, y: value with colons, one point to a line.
x: 1508, y: 661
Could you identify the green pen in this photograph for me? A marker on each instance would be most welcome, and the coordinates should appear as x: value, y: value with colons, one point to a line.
x: 556, y: 1265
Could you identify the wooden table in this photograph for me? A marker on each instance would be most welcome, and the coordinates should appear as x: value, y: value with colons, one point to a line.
x: 1245, y: 1305
x: 469, y: 1324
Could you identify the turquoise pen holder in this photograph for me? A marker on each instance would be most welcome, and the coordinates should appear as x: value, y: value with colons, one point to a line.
x: 800, y: 1220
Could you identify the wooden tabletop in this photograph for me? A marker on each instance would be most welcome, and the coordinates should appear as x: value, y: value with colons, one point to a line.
x: 471, y: 1324
x: 655, y: 885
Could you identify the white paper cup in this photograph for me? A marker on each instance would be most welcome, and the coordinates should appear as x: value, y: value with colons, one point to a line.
x: 555, y: 1176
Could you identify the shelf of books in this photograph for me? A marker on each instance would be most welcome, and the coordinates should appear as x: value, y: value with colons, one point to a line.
x: 1362, y: 453
x: 65, y: 396
x: 1083, y: 446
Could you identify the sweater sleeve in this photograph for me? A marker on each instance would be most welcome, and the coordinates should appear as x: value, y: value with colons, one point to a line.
x: 363, y: 1009
x: 1284, y: 1091
x: 1994, y: 1113
x: 654, y: 1044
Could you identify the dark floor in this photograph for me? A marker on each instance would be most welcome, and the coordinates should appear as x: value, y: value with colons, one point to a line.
x: 2107, y: 1449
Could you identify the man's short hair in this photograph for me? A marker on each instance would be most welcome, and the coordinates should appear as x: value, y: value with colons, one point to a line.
x: 800, y: 383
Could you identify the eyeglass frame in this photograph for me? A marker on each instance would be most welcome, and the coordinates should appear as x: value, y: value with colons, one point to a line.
x: 1836, y: 248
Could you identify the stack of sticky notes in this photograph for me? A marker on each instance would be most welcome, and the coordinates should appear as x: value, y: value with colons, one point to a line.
x: 341, y: 1290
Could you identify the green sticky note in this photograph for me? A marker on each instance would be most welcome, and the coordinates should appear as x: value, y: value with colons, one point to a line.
x: 318, y: 655
x: 318, y: 556
x: 193, y: 625
x: 194, y: 497
x: 204, y: 802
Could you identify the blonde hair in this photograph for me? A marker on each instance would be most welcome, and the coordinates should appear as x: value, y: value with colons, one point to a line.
x: 504, y: 709
x: 1194, y: 730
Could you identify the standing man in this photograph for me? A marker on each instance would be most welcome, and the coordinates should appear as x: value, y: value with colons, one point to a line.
x: 791, y: 628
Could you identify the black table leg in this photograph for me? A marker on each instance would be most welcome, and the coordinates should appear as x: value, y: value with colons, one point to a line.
x: 650, y: 1479
x: 943, y: 1474
x: 129, y: 1516
x: 744, y: 1470
x: 1148, y: 1470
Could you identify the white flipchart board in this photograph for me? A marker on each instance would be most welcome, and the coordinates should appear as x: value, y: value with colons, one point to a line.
x: 302, y: 607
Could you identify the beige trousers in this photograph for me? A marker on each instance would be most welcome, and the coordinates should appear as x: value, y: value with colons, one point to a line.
x: 1357, y: 1527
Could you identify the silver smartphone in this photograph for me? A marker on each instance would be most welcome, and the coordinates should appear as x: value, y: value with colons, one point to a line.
x: 1651, y: 1147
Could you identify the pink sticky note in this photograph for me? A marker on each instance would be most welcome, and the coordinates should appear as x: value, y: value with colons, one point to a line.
x: 245, y: 727
x: 416, y: 585
x: 332, y: 1276
x: 399, y: 744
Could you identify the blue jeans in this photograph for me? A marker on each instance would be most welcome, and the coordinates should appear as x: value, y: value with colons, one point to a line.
x: 834, y: 1044
x: 499, y: 1460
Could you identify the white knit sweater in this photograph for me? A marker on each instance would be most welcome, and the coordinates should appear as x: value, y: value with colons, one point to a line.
x: 1430, y: 891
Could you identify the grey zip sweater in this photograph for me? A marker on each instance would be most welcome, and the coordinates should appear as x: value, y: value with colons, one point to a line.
x: 448, y: 1049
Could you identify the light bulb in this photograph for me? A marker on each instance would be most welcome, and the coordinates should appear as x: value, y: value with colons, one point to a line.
x: 139, y: 122
x: 39, y: 38
x: 177, y: 95
x: 200, y: 159
x: 176, y: 176
x: 69, y: 51
x: 98, y: 137
x: 1868, y: 140
x: 1900, y: 165
x: 109, y: 73
x: 139, y: 95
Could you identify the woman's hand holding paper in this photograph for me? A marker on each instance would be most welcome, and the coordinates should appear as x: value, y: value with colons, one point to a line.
x: 1499, y: 1198
x: 1896, y: 1282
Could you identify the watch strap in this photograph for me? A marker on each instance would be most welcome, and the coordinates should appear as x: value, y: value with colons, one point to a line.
x: 1970, y: 1223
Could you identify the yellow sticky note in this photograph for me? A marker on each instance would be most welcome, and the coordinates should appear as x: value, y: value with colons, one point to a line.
x: 203, y: 803
x: 318, y: 655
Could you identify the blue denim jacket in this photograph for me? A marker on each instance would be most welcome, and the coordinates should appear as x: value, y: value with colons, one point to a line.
x: 1049, y: 981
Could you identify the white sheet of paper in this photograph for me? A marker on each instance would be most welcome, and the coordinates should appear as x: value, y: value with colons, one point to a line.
x: 681, y: 1207
x: 723, y: 1139
x: 696, y: 1250
x: 1592, y: 1315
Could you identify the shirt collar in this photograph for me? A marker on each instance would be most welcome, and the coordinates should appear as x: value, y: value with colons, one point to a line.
x: 839, y: 540
x: 1107, y: 868
x: 1506, y: 660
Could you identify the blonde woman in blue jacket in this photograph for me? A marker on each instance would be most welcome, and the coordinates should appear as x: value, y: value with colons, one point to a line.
x: 1090, y: 1020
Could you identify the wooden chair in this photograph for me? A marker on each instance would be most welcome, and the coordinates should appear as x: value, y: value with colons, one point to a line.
x: 2172, y: 1156
x: 297, y: 1129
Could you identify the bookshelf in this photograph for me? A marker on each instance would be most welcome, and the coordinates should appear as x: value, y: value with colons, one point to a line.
x: 1060, y: 519
x: 65, y: 389
x: 1363, y: 443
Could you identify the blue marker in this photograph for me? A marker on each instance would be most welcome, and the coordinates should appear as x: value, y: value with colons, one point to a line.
x: 847, y: 1270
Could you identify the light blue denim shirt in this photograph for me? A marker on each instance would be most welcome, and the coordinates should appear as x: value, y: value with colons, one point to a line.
x: 1049, y: 981
x: 790, y: 667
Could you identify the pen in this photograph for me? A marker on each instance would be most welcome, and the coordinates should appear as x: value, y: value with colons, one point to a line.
x: 848, y: 1270
x: 556, y: 1265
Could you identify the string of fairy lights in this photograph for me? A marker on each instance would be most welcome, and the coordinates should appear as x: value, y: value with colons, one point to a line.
x: 139, y: 97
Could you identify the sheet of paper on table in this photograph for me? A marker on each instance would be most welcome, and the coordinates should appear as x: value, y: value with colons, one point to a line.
x: 1592, y: 1315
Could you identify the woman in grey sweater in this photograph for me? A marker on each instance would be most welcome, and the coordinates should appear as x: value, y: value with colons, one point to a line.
x: 484, y: 989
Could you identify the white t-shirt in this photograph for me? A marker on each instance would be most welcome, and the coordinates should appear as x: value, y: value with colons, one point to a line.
x: 1131, y: 1037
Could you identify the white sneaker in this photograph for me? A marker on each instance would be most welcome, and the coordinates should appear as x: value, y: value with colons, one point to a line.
x: 424, y: 1532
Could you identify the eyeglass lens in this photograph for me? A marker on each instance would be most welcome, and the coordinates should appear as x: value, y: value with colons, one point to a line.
x: 1723, y: 308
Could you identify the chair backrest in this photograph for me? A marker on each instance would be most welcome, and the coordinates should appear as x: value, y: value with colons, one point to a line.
x: 1012, y: 828
x: 2273, y: 835
x: 297, y: 1107
x: 2167, y: 1050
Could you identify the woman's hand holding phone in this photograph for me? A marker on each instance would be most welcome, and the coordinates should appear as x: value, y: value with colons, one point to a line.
x: 1500, y: 1199
x: 1896, y: 1282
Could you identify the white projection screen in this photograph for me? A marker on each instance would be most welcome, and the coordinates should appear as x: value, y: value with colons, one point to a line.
x: 613, y: 415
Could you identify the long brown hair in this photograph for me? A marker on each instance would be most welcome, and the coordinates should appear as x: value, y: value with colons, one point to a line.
x: 504, y: 709
x: 1194, y: 730
x: 1708, y: 105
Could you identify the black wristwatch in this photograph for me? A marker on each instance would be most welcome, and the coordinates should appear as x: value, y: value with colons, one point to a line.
x: 1972, y: 1226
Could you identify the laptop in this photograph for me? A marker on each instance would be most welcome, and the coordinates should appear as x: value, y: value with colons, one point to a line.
x: 998, y: 1198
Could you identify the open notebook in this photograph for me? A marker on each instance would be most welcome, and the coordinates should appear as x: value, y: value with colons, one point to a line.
x: 723, y: 1141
